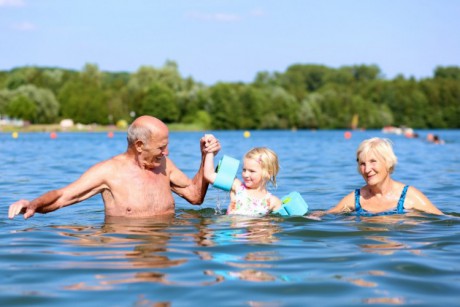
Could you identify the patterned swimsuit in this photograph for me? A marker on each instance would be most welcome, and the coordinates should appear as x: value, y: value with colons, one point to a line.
x: 398, y: 210
x: 246, y: 205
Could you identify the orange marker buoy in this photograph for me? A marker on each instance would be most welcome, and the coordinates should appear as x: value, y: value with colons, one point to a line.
x: 53, y: 135
x: 110, y: 134
x: 14, y: 135
x: 247, y: 134
x: 347, y: 135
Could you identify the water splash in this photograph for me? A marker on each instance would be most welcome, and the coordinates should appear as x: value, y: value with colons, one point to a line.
x: 222, y: 198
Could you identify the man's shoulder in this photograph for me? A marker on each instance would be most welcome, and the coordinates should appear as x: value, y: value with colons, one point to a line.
x: 113, y: 162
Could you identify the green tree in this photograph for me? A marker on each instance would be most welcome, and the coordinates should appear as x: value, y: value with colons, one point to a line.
x: 194, y: 106
x: 365, y: 73
x: 252, y: 101
x: 225, y: 107
x: 21, y: 76
x: 449, y: 72
x: 286, y: 108
x: 83, y: 98
x: 21, y: 107
x: 299, y: 80
x: 160, y: 102
x: 46, y: 107
x: 4, y: 100
x: 310, y: 111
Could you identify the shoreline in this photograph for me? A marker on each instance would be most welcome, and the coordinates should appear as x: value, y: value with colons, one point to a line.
x: 87, y: 128
x: 57, y: 128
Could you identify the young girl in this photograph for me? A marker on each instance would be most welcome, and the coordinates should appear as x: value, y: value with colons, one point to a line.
x: 250, y: 197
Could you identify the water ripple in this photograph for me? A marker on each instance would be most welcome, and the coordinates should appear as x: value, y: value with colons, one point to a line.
x: 200, y: 255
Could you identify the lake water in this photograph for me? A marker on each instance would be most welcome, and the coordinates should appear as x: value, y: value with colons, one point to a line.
x: 74, y: 256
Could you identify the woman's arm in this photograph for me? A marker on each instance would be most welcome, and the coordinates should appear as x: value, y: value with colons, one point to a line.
x: 347, y: 204
x: 418, y: 201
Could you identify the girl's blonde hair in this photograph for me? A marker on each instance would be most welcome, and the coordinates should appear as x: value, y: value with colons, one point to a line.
x: 268, y: 161
x: 382, y: 148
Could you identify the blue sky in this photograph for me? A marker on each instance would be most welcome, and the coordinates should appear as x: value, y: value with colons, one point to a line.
x: 231, y: 40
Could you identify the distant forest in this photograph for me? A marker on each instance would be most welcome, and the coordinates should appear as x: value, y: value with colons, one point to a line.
x: 302, y: 97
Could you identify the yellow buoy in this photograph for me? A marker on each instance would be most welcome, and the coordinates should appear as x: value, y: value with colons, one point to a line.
x: 122, y: 124
x: 15, y: 135
x: 247, y: 134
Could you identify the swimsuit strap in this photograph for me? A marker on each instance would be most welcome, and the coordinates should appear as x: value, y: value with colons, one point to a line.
x: 402, y: 199
x: 398, y: 209
x: 357, y: 203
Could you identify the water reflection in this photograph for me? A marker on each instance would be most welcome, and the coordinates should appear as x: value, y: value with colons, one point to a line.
x: 382, y: 244
x: 228, y: 229
x: 382, y: 236
x: 124, y: 243
x: 385, y: 300
x: 146, y: 244
x: 260, y: 230
x: 238, y: 229
x: 247, y: 275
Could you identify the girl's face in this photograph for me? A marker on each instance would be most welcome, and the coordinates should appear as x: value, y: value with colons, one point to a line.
x: 252, y: 173
x: 373, y: 168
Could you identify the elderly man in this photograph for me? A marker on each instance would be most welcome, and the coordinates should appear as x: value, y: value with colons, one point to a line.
x: 136, y: 183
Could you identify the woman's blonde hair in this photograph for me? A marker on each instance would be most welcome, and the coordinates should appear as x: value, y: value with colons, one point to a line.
x: 268, y: 161
x: 382, y: 148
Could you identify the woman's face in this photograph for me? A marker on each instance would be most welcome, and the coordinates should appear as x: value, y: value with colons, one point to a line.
x: 373, y: 168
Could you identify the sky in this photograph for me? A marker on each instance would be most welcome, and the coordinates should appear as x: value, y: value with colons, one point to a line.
x: 231, y: 40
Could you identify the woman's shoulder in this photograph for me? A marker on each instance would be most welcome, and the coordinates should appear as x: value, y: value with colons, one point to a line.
x: 415, y: 199
x: 413, y: 193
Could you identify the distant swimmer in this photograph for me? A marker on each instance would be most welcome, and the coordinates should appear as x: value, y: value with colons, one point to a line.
x: 437, y: 140
x: 136, y: 183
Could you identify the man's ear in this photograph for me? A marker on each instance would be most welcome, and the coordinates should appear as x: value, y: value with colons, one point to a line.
x: 139, y: 145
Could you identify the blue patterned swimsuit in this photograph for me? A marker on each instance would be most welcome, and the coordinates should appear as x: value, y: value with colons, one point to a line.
x: 398, y: 210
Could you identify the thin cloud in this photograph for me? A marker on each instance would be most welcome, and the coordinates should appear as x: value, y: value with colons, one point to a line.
x: 24, y: 26
x: 219, y: 17
x: 257, y: 13
x: 16, y: 3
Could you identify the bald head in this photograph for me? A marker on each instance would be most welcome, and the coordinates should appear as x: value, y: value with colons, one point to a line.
x: 143, y: 127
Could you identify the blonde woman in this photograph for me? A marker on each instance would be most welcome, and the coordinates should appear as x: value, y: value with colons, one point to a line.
x: 381, y: 194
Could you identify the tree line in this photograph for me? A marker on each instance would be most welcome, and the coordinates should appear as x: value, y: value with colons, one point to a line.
x: 302, y: 97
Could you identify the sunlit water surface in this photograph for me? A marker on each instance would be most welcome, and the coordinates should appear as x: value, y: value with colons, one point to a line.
x: 75, y: 256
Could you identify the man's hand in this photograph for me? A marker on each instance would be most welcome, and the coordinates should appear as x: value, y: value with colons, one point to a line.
x: 209, y: 144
